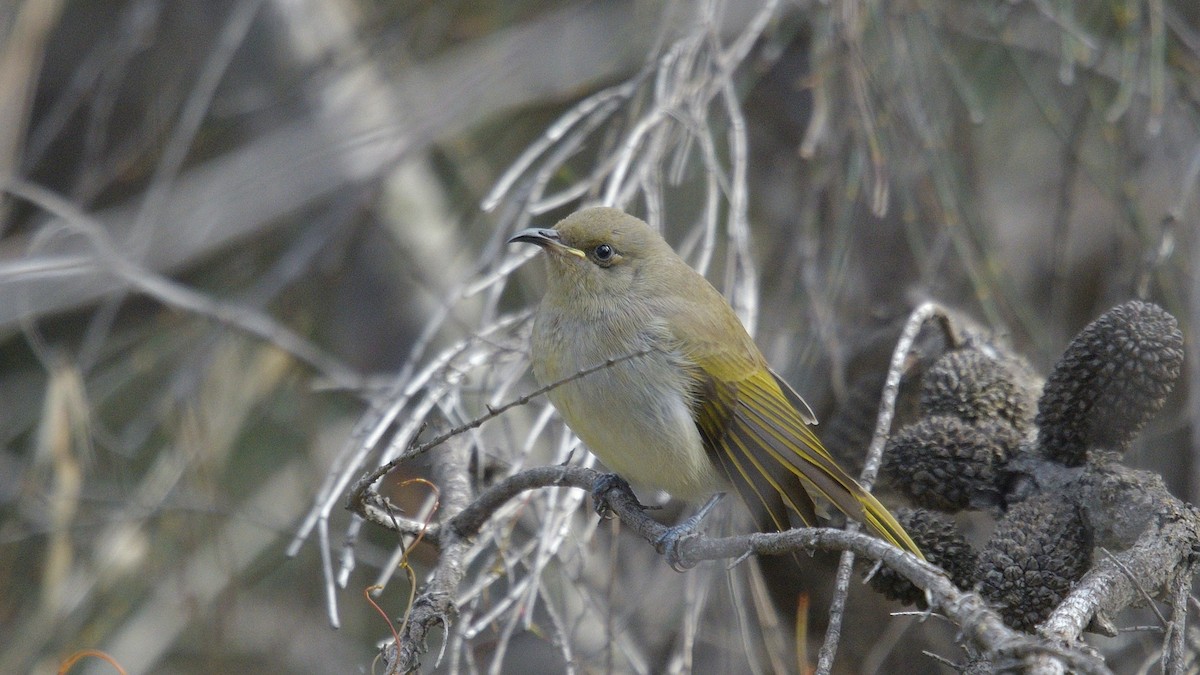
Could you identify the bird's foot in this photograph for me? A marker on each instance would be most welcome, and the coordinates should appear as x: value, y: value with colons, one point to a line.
x: 605, y: 483
x: 668, y: 544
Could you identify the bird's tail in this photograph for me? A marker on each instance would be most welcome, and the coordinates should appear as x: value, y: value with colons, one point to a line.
x: 878, y: 518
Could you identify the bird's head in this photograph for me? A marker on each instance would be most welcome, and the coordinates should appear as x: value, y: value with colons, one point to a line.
x: 600, y: 253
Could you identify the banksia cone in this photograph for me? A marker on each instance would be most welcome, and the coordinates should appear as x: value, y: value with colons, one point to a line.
x: 938, y: 538
x: 1038, y: 551
x: 972, y: 384
x: 948, y: 464
x: 1114, y: 376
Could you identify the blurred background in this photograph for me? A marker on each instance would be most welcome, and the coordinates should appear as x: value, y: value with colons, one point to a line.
x: 234, y: 232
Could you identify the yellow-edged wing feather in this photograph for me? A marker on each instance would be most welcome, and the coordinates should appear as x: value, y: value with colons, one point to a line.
x: 756, y: 428
x: 765, y: 447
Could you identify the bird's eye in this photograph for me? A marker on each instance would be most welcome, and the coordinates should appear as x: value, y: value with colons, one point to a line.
x: 603, y: 252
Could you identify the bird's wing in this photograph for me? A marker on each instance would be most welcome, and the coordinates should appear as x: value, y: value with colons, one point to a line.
x: 754, y: 425
x: 766, y: 486
x: 756, y: 428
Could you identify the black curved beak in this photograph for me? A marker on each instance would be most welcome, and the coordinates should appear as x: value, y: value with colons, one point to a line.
x: 542, y: 236
x: 548, y: 239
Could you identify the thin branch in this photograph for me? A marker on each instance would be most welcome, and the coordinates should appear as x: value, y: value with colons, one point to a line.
x: 979, y: 624
x: 435, y: 604
x: 598, y: 104
x: 360, y: 488
x: 883, y: 425
x: 1137, y: 586
x: 177, y: 295
x: 195, y: 109
x: 1175, y: 661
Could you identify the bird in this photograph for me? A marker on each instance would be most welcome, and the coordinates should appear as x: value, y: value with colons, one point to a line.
x: 696, y: 409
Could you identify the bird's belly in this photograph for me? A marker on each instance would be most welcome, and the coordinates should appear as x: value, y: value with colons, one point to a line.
x: 634, y: 416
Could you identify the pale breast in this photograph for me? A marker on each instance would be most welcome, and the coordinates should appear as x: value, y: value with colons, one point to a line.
x: 635, y: 415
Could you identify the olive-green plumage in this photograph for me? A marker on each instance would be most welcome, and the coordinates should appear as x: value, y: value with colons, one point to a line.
x: 701, y: 410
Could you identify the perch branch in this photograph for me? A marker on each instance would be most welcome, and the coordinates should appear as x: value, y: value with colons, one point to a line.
x: 980, y: 625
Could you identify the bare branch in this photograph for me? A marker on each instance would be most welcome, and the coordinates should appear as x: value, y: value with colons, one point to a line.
x: 177, y: 295
x: 359, y: 490
x: 979, y: 624
x: 883, y: 426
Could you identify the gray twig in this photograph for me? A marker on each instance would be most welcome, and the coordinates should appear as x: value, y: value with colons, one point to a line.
x: 883, y: 426
x: 980, y: 625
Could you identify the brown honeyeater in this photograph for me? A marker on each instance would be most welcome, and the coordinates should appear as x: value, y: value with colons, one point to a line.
x: 701, y: 410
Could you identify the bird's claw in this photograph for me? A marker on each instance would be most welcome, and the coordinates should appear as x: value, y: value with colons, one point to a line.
x: 669, y: 542
x: 605, y: 483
